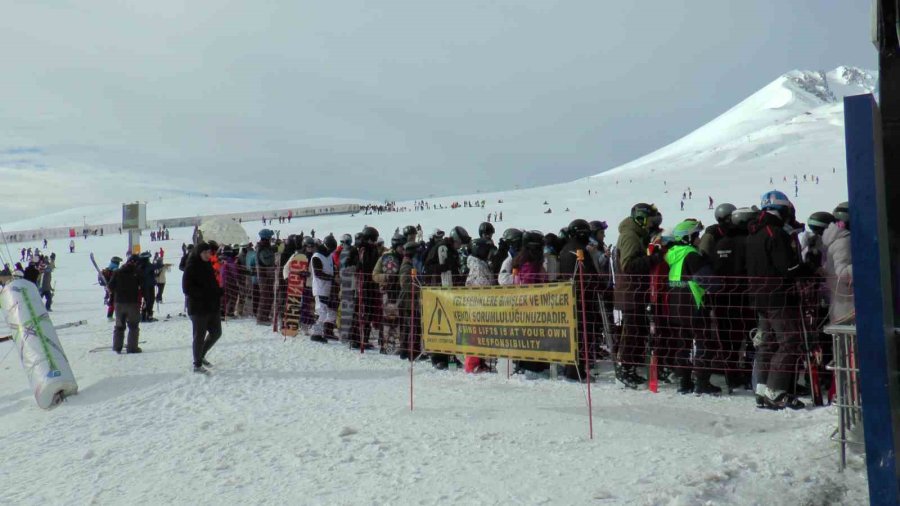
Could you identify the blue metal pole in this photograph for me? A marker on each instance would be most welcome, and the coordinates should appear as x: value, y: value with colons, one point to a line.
x: 872, y: 292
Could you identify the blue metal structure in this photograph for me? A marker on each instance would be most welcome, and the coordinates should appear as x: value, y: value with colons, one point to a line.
x: 872, y: 277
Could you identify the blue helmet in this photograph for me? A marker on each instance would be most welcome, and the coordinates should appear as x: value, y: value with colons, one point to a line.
x: 266, y: 233
x: 775, y: 201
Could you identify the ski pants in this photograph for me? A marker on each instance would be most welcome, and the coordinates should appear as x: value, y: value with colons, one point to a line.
x: 207, y: 330
x: 149, y: 298
x: 130, y: 315
x: 326, y: 315
x: 781, y: 348
x: 48, y: 297
x: 159, y: 291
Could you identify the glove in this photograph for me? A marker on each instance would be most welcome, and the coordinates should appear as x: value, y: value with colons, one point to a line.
x: 652, y: 249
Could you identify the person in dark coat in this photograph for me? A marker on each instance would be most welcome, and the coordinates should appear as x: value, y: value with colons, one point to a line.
x: 579, y: 232
x: 32, y: 273
x: 149, y: 272
x: 772, y: 265
x: 125, y: 290
x: 204, y: 303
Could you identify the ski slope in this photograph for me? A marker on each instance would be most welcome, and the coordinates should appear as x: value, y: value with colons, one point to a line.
x: 299, y: 422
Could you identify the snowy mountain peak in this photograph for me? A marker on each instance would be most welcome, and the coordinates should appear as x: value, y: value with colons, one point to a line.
x: 865, y: 80
x: 813, y: 83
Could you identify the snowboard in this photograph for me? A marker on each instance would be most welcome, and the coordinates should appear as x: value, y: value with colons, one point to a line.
x: 348, y: 301
x: 296, y: 284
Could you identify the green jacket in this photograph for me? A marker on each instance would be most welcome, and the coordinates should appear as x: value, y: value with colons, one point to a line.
x: 632, y: 247
x: 676, y: 257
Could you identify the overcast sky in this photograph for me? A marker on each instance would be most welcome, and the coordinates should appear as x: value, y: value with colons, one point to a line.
x: 378, y: 98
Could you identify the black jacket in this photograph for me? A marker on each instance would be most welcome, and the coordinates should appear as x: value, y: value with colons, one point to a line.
x: 200, y: 286
x: 32, y: 273
x: 772, y: 263
x: 126, y: 283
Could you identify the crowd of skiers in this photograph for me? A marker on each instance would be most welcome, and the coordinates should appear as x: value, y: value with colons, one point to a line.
x: 744, y: 297
x: 38, y: 269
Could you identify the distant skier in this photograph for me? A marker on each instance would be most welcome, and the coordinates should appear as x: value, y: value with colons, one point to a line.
x: 710, y: 202
x: 682, y: 205
x: 71, y: 246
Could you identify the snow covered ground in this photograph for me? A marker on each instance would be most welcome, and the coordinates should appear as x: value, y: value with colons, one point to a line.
x: 298, y: 422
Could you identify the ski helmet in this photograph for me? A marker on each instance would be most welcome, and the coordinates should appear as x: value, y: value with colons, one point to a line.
x: 309, y: 242
x: 723, y: 213
x: 409, y: 230
x: 513, y: 237
x: 742, y: 216
x: 266, y: 234
x: 481, y: 248
x: 564, y: 234
x: 397, y: 241
x: 370, y: 234
x: 460, y: 234
x: 437, y: 234
x: 819, y: 221
x: 346, y: 239
x: 115, y: 260
x: 579, y: 229
x: 778, y: 202
x: 532, y: 239
x: 597, y: 225
x: 330, y: 242
x: 642, y: 212
x: 687, y: 231
x: 551, y: 240
x: 842, y: 213
x: 485, y: 229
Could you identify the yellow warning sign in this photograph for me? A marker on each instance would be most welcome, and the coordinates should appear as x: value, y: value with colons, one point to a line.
x: 526, y: 322
x: 440, y: 322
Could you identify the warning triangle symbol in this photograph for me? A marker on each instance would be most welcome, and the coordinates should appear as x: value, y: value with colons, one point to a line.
x: 440, y: 322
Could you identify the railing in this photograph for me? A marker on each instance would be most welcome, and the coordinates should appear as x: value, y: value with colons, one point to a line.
x: 846, y: 382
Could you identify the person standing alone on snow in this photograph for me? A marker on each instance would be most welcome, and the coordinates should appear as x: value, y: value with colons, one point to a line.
x: 204, y: 294
x: 125, y: 289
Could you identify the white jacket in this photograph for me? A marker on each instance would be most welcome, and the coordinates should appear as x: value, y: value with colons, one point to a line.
x: 839, y: 272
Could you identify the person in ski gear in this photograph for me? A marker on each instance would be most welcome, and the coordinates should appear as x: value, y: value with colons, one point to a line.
x: 148, y: 286
x: 103, y: 280
x: 812, y: 248
x: 551, y: 257
x: 689, y: 273
x: 369, y: 315
x: 839, y: 267
x: 631, y: 291
x: 407, y: 304
x: 32, y: 273
x: 231, y: 279
x: 461, y: 241
x: 479, y: 274
x: 46, y: 268
x: 161, y: 269
x: 773, y: 265
x: 510, y: 245
x: 386, y: 274
x: 264, y: 261
x: 579, y: 234
x: 307, y: 300
x: 71, y: 246
x: 125, y: 286
x: 204, y: 295
x: 321, y: 277
x: 715, y: 232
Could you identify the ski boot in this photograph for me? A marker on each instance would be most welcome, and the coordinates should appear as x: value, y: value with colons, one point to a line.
x: 703, y: 386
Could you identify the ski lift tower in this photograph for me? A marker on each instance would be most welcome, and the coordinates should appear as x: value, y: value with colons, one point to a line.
x: 872, y: 133
x: 134, y: 220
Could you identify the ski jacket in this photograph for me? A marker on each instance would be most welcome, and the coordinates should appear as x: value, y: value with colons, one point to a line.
x: 505, y: 278
x: 839, y: 274
x: 711, y: 236
x: 479, y: 272
x: 125, y: 284
x: 161, y: 269
x: 687, y: 269
x: 551, y: 265
x: 772, y: 264
x: 634, y: 266
x: 405, y: 302
x: 32, y: 273
x: 199, y: 284
x: 530, y: 273
x: 322, y: 274
x: 47, y: 279
x: 230, y: 274
x: 265, y: 254
x: 250, y: 266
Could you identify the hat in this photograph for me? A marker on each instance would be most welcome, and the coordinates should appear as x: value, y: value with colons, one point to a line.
x: 202, y: 247
x: 266, y: 234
